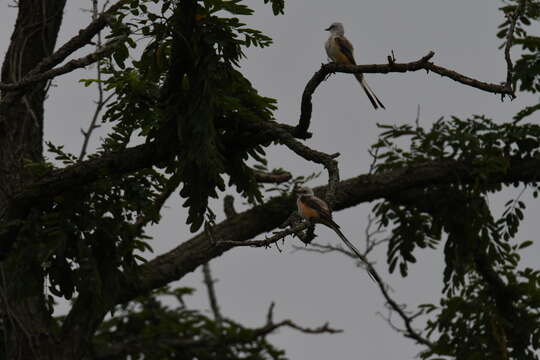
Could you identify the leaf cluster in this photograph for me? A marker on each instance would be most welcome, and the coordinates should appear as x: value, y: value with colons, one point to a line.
x: 486, y: 302
x: 527, y: 67
x: 185, y: 92
x: 148, y: 328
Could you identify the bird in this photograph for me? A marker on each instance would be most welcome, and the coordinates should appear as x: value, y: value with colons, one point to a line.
x: 340, y: 50
x: 316, y: 210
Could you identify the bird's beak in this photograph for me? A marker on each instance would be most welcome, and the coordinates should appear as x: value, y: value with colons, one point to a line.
x: 328, y: 28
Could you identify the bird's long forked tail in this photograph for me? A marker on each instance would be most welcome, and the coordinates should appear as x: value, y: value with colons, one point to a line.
x: 362, y: 258
x: 370, y: 94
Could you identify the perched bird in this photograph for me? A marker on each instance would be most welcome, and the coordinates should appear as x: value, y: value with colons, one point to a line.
x: 316, y: 210
x: 340, y: 50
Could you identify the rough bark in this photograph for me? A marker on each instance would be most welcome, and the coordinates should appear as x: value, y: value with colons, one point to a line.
x: 27, y: 322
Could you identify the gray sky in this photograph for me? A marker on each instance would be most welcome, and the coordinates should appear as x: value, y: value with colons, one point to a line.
x: 313, y: 289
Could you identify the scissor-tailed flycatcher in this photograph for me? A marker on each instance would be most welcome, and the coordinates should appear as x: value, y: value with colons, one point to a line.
x: 316, y: 210
x: 340, y: 50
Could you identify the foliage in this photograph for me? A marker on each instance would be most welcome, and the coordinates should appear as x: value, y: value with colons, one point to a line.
x: 91, y: 237
x: 487, y: 306
x: 527, y: 67
x: 148, y: 329
x: 186, y: 82
x: 176, y: 82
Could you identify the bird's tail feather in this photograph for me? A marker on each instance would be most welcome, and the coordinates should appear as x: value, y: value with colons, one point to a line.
x: 370, y: 94
x: 369, y: 267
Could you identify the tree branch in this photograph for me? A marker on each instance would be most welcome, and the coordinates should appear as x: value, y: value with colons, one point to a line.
x: 128, y: 161
x: 391, y: 67
x: 83, y: 38
x: 71, y: 65
x: 137, y: 344
x: 383, y: 287
x: 261, y: 219
x: 209, y: 283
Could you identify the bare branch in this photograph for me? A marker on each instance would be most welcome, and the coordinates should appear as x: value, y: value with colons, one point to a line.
x: 328, y: 161
x: 83, y: 38
x: 71, y: 65
x: 383, y: 287
x: 209, y: 282
x: 278, y: 235
x: 228, y: 207
x: 100, y: 101
x: 392, y: 67
x: 271, y: 326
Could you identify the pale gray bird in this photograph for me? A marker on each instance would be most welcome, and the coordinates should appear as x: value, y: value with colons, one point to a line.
x: 340, y: 50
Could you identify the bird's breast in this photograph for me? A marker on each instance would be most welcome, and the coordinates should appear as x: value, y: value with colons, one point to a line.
x: 305, y: 211
x: 334, y: 52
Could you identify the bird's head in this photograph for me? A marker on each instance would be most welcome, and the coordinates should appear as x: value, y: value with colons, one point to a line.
x: 303, y: 191
x: 336, y: 28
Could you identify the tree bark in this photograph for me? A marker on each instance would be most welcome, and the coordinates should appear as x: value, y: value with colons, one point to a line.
x: 27, y: 322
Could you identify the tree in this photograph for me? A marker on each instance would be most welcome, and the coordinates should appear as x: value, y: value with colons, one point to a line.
x: 76, y: 227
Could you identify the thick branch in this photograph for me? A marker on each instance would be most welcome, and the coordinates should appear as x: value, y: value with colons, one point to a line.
x: 261, y: 219
x: 86, y: 172
x: 392, y: 67
x: 123, y: 162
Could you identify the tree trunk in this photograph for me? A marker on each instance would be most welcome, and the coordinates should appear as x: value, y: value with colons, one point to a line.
x: 28, y: 326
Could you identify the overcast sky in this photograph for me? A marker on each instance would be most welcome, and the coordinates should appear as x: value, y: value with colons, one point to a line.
x: 313, y: 289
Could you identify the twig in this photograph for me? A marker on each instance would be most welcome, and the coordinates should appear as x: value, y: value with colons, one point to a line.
x: 279, y: 235
x: 209, y: 282
x: 228, y: 208
x: 271, y: 326
x: 100, y: 101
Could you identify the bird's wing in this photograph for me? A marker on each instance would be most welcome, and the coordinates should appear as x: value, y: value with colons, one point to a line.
x: 319, y: 205
x: 346, y: 48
